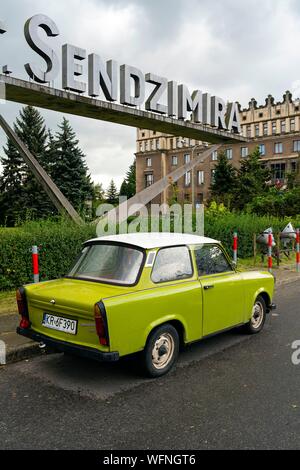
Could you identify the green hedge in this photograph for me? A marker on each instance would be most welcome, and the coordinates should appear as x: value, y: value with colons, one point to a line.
x: 222, y: 227
x: 60, y: 243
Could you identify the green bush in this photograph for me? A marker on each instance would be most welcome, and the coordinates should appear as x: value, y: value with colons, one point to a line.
x: 222, y: 227
x: 59, y: 244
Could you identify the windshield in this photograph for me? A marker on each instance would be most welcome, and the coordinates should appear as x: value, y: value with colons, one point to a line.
x: 113, y: 264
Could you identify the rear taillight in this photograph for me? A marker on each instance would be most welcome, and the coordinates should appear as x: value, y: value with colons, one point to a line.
x: 22, y: 308
x: 101, y: 323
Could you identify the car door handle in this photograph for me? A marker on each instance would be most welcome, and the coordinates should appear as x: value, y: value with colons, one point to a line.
x: 209, y: 287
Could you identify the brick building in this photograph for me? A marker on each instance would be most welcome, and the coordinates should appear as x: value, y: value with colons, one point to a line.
x: 274, y: 127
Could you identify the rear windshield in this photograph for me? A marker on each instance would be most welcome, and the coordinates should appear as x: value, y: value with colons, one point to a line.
x: 112, y: 264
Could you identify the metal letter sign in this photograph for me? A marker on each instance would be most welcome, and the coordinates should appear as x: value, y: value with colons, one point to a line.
x: 124, y: 83
x: 2, y: 27
x: 48, y: 54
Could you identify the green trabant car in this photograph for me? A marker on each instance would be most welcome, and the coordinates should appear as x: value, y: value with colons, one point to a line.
x: 144, y: 292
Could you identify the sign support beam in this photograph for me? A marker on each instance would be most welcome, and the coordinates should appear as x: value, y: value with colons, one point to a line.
x: 131, y: 206
x: 43, y: 96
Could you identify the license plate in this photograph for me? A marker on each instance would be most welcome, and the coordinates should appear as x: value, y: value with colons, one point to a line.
x: 59, y: 323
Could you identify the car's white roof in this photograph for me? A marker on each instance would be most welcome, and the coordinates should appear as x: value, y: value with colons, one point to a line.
x: 156, y: 240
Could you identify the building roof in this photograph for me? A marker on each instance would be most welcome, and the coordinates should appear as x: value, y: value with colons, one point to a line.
x: 156, y: 240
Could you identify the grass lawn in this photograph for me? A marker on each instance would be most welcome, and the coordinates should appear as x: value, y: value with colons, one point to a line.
x: 248, y: 263
x: 8, y: 302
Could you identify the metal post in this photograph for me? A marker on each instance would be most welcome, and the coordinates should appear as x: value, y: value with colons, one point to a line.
x: 298, y: 250
x: 270, y: 260
x: 35, y: 264
x: 235, y: 248
x: 254, y: 249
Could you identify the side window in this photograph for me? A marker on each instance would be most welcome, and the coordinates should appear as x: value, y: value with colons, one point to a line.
x: 210, y: 259
x: 172, y: 264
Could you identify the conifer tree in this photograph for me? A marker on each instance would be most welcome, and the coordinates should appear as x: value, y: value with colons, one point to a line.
x: 69, y: 170
x: 224, y: 180
x: 128, y: 187
x: 20, y: 192
x: 252, y: 181
x: 112, y: 193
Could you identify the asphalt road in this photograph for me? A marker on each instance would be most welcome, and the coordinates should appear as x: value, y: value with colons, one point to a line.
x: 229, y: 392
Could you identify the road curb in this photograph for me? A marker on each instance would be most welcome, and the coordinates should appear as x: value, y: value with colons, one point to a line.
x: 22, y: 352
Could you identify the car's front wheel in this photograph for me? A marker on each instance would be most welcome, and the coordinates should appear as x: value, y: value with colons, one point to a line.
x: 161, y: 351
x: 258, y: 318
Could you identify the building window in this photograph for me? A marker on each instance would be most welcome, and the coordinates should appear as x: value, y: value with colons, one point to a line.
x: 152, y: 144
x: 257, y: 130
x: 296, y: 145
x: 248, y: 131
x: 282, y: 127
x: 214, y: 156
x: 143, y: 134
x: 187, y: 179
x: 199, y: 198
x: 187, y: 158
x: 262, y: 149
x: 187, y: 197
x: 292, y: 125
x: 213, y: 175
x: 177, y: 142
x: 278, y: 147
x: 274, y: 127
x: 265, y: 126
x: 200, y: 177
x: 294, y: 167
x: 244, y: 151
x: 278, y: 171
x: 148, y: 162
x: 141, y: 147
x: 157, y: 144
x: 174, y: 160
x: 229, y: 154
x: 149, y: 179
x: 146, y: 145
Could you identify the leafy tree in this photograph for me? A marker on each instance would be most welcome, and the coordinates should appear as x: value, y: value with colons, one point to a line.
x: 112, y: 193
x: 252, y: 181
x: 98, y: 196
x: 224, y: 181
x: 128, y: 187
x: 69, y: 170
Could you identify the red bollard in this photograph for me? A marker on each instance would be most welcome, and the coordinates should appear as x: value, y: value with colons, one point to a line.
x: 298, y: 250
x: 270, y: 260
x: 235, y: 248
x: 35, y: 264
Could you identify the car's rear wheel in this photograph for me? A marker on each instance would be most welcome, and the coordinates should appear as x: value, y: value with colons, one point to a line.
x: 161, y: 351
x: 258, y: 318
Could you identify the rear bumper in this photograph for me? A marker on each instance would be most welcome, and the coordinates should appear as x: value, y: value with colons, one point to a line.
x: 63, y: 346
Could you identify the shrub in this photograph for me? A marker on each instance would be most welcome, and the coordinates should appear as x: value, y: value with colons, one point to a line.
x: 59, y: 244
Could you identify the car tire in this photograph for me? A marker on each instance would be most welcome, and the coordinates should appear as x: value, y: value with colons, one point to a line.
x: 258, y: 317
x: 161, y: 351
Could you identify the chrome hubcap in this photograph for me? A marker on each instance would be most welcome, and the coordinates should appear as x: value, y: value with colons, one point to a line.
x: 257, y: 315
x: 163, y: 351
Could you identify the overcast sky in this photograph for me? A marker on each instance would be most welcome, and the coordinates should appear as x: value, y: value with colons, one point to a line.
x: 234, y: 49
